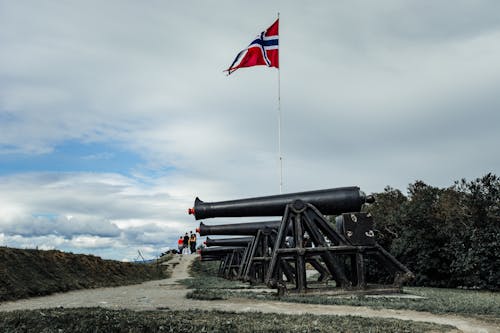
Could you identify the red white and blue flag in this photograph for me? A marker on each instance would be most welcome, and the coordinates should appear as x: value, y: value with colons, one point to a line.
x: 263, y: 50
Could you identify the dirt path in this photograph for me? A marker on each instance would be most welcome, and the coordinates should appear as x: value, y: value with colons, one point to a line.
x: 168, y: 293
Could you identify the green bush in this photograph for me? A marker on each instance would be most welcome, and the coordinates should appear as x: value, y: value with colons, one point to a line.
x: 448, y: 237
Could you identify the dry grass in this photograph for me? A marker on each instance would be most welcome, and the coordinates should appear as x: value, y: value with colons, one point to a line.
x: 98, y: 320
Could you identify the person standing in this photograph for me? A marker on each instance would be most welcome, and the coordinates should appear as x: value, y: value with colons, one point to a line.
x: 192, y: 242
x: 185, y: 243
x: 180, y: 245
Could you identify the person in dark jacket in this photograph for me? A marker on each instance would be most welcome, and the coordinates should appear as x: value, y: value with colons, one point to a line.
x: 192, y: 242
x: 185, y: 243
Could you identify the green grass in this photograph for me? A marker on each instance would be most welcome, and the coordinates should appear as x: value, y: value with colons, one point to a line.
x: 98, y: 320
x: 438, y: 301
x: 435, y: 300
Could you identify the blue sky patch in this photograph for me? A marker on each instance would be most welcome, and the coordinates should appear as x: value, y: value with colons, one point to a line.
x: 73, y: 156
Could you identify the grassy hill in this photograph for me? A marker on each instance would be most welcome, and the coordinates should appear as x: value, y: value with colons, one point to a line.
x: 28, y: 273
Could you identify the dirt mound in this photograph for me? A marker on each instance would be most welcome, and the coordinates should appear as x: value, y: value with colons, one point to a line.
x: 28, y: 273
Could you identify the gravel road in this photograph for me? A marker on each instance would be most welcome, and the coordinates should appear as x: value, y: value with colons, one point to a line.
x: 170, y: 294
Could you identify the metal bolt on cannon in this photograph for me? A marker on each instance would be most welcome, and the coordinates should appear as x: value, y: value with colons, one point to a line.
x: 281, y: 253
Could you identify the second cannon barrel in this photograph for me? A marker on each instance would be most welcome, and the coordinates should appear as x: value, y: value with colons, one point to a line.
x: 236, y: 229
x: 236, y: 241
x: 220, y: 250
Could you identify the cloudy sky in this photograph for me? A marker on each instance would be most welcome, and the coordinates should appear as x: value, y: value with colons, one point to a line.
x: 115, y: 115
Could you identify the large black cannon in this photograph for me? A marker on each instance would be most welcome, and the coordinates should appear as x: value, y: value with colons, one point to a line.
x: 237, y: 229
x: 282, y: 251
x: 329, y: 202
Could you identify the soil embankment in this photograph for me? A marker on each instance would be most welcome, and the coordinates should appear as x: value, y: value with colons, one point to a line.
x: 29, y: 273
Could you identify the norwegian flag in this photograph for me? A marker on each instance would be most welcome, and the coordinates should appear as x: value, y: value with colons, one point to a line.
x: 263, y: 50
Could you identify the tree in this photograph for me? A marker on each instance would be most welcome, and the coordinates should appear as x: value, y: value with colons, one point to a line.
x: 449, y: 237
x: 477, y: 243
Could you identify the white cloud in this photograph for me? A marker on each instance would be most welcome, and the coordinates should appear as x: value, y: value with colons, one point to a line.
x: 91, y: 242
x: 90, y: 211
x: 373, y: 94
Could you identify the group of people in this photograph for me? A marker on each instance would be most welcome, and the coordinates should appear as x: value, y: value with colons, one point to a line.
x: 187, y: 243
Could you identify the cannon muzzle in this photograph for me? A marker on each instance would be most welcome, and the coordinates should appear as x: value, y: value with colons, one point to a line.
x: 237, y: 229
x: 236, y: 241
x: 329, y: 202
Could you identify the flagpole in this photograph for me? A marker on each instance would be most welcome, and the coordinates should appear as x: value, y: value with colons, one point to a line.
x: 279, y: 126
x: 279, y: 133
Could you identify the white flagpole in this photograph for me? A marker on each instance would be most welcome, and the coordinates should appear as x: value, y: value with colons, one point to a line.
x: 279, y: 134
x: 279, y: 123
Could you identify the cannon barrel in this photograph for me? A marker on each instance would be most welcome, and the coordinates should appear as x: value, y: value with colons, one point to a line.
x: 237, y: 229
x: 237, y: 241
x: 211, y: 258
x: 329, y: 202
x: 219, y: 250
